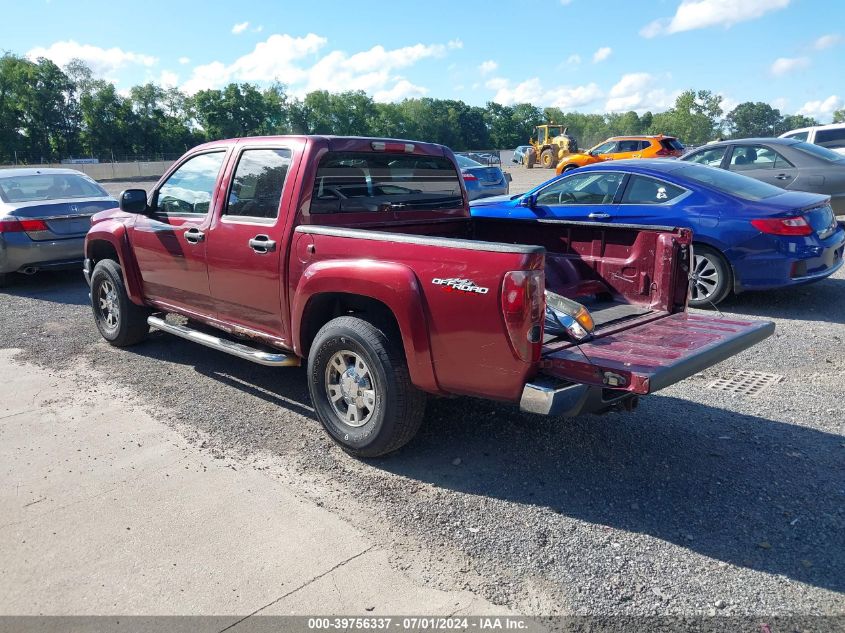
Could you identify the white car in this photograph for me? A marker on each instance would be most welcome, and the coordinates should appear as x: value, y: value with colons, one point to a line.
x: 830, y: 136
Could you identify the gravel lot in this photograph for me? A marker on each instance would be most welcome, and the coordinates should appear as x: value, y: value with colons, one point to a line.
x: 698, y: 502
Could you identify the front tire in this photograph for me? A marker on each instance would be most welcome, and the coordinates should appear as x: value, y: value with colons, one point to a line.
x: 547, y: 159
x: 710, y: 277
x: 360, y: 388
x: 120, y: 321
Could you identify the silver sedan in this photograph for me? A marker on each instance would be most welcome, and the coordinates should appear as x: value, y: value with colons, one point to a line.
x: 44, y: 216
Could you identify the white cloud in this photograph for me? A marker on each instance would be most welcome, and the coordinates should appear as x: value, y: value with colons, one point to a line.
x: 699, y: 14
x: 102, y: 61
x: 602, y: 54
x: 258, y: 28
x: 785, y: 65
x: 488, y: 67
x: 184, y: 60
x: 565, y: 2
x: 729, y: 103
x: 827, y: 41
x: 532, y: 91
x: 295, y: 61
x: 574, y: 59
x: 402, y: 89
x: 639, y: 92
x: 781, y: 103
x: 168, y: 79
x: 823, y: 108
x: 240, y: 27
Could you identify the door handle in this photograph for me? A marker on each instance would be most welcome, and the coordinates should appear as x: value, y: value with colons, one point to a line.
x: 599, y: 216
x: 262, y: 244
x: 194, y: 236
x: 782, y: 176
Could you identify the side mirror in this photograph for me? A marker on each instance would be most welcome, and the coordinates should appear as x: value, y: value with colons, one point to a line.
x: 133, y: 201
x: 528, y: 201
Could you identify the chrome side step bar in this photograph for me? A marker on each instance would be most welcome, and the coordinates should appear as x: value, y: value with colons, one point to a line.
x: 223, y: 345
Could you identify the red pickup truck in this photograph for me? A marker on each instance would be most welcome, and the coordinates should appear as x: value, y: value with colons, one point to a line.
x: 359, y: 256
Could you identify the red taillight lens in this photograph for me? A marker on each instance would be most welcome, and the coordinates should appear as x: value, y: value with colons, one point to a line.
x: 468, y: 176
x: 523, y: 305
x: 20, y: 226
x: 795, y: 225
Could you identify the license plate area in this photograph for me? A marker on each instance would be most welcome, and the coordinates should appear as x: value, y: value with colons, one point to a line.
x: 649, y: 357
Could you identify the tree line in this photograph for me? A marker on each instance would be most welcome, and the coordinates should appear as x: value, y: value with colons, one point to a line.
x: 48, y: 113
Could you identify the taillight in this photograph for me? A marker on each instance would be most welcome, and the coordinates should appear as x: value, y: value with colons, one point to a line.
x: 20, y: 226
x: 795, y: 225
x: 468, y: 176
x: 523, y: 306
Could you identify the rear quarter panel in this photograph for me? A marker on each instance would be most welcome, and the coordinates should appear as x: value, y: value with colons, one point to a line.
x: 460, y: 335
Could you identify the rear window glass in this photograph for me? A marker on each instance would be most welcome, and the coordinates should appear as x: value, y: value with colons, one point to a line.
x: 671, y: 144
x: 799, y: 136
x: 729, y: 182
x: 360, y: 182
x: 831, y: 138
x: 48, y: 187
x: 819, y: 152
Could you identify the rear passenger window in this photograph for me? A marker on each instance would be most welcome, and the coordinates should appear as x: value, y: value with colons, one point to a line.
x: 747, y: 157
x: 832, y: 139
x: 644, y: 190
x: 256, y: 190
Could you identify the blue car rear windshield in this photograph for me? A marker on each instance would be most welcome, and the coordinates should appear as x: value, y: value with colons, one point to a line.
x: 729, y: 182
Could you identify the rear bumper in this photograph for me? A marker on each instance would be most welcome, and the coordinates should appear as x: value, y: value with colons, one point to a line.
x: 18, y: 252
x: 548, y: 396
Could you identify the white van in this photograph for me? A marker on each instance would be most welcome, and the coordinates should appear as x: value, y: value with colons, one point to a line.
x: 829, y: 136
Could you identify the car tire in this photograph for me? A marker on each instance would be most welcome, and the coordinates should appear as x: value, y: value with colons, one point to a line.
x: 710, y: 277
x: 3, y: 279
x: 361, y: 389
x: 120, y: 321
x: 568, y: 168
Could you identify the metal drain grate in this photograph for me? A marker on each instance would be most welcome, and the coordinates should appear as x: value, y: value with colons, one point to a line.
x: 747, y: 383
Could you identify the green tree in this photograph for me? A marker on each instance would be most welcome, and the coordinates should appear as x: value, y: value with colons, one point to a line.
x: 753, y: 119
x: 695, y: 117
x: 839, y: 116
x: 236, y: 110
x: 793, y: 122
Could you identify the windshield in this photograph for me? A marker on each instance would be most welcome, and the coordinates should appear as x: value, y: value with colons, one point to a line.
x: 48, y: 187
x: 729, y: 182
x: 464, y: 162
x: 358, y: 182
x: 819, y: 152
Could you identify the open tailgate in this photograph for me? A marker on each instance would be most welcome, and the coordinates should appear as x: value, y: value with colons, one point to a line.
x: 656, y: 354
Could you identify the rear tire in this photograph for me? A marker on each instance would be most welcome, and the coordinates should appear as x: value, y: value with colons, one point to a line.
x: 711, y: 280
x: 568, y: 168
x: 120, y: 321
x: 360, y: 388
x: 3, y: 279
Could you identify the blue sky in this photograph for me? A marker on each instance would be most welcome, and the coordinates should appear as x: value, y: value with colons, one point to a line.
x: 587, y: 55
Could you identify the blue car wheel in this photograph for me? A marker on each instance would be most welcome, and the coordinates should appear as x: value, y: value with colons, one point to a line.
x: 710, y: 277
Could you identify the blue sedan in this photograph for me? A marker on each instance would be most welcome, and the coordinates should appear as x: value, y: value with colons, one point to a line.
x: 748, y: 235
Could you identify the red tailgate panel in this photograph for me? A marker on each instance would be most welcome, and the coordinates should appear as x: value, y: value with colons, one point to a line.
x: 655, y: 355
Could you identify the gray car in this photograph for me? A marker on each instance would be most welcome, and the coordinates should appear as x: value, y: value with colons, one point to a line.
x: 44, y: 216
x: 784, y: 162
x: 482, y: 181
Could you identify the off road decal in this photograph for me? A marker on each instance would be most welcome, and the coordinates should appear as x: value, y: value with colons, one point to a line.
x: 461, y: 285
